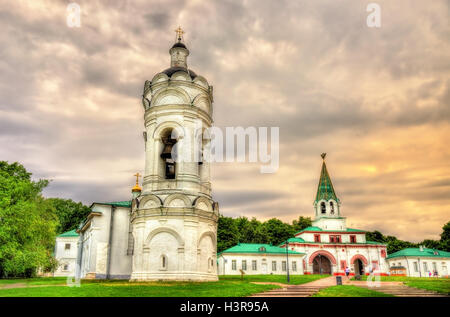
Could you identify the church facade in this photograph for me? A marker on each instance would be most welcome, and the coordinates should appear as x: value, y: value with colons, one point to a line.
x: 327, y: 247
x: 168, y: 231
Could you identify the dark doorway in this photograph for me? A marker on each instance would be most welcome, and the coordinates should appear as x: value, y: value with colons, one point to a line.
x: 359, y: 267
x: 321, y: 265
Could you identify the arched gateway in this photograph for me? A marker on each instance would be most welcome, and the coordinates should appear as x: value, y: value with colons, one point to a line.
x: 322, y: 262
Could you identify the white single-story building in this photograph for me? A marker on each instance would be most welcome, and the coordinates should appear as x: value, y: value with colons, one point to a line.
x: 66, y: 250
x: 420, y: 262
x: 256, y: 259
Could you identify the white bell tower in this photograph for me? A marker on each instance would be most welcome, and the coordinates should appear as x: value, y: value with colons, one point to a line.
x: 174, y: 219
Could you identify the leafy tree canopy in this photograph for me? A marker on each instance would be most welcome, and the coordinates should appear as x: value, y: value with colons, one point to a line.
x: 70, y: 214
x: 27, y: 223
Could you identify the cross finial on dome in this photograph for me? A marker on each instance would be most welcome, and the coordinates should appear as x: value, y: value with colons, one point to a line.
x: 323, y: 155
x: 179, y: 33
x: 136, y: 187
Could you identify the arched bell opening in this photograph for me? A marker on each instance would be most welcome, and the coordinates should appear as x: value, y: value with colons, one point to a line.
x: 169, y: 155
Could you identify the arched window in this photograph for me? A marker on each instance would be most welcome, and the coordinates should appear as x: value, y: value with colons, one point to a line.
x: 332, y: 207
x: 169, y: 161
x: 323, y: 209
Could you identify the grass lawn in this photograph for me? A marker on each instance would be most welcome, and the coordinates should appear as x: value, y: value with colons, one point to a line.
x: 441, y: 285
x: 294, y: 279
x: 34, y: 281
x: 349, y: 291
x: 227, y: 286
x: 123, y: 288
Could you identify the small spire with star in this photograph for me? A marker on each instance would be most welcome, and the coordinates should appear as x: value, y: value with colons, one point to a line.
x: 325, y: 189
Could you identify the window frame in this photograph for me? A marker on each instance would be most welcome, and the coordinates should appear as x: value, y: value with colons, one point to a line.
x: 317, y: 237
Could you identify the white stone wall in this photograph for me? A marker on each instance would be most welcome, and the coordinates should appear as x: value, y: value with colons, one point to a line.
x: 66, y: 257
x: 187, y: 243
x: 330, y: 223
x: 263, y: 263
x: 94, y: 258
x: 422, y: 266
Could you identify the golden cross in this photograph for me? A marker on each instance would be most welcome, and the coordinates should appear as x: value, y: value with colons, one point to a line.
x: 137, y: 177
x: 179, y: 32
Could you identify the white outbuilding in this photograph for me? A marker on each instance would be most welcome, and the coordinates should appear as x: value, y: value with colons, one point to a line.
x: 66, y: 250
x: 421, y: 262
x: 256, y: 259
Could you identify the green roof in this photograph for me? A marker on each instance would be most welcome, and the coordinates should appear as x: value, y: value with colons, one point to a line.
x: 300, y: 240
x: 71, y: 233
x: 313, y: 228
x: 126, y: 203
x: 258, y: 248
x: 429, y: 253
x: 325, y: 189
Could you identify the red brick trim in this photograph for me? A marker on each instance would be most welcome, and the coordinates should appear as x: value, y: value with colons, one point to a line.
x: 324, y: 253
x: 330, y: 232
x: 359, y: 256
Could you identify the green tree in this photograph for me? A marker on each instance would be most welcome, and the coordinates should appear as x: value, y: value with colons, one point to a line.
x: 445, y: 237
x: 27, y: 223
x: 376, y: 236
x: 70, y: 214
x: 432, y: 244
x: 227, y: 233
x: 277, y: 231
x: 301, y: 223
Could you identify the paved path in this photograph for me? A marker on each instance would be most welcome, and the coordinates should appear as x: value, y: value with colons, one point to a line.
x: 302, y: 290
x: 308, y: 289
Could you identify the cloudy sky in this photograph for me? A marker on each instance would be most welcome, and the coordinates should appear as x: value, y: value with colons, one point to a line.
x: 376, y: 100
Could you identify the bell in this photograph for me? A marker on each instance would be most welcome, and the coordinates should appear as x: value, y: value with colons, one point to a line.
x: 167, y: 152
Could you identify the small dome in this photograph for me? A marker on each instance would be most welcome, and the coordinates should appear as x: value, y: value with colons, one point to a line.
x: 179, y: 44
x: 136, y: 188
x: 172, y: 70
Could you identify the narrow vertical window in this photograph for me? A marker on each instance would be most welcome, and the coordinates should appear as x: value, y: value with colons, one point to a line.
x: 244, y: 265
x: 294, y: 266
x: 163, y: 262
x: 283, y: 265
x: 233, y: 265
x: 323, y: 208
x: 331, y: 208
x: 274, y: 266
x: 254, y: 268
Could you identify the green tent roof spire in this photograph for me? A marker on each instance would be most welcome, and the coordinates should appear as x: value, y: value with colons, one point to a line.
x: 325, y: 189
